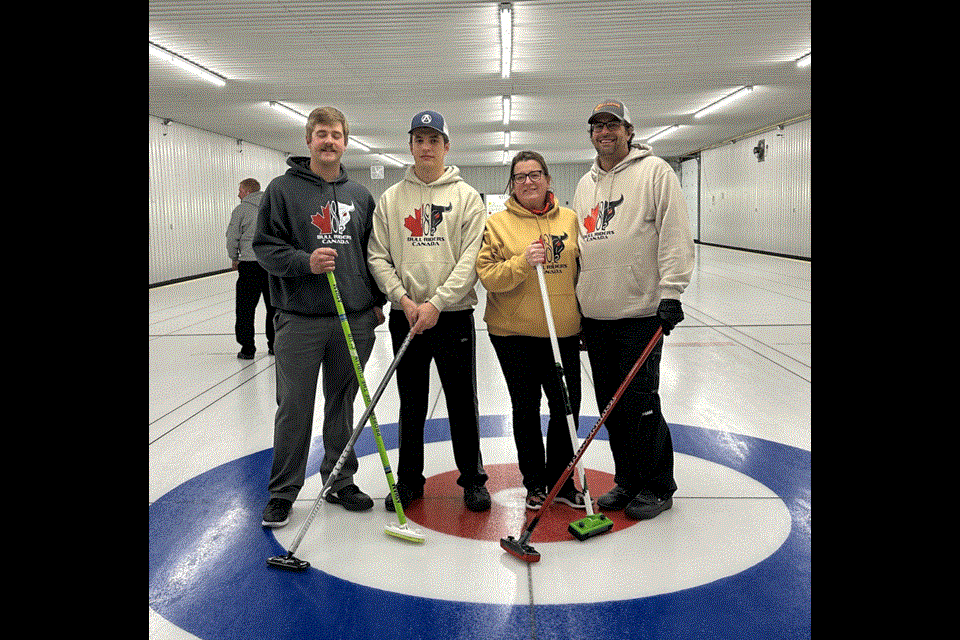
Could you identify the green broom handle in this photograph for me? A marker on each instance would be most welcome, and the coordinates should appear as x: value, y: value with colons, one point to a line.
x: 358, y: 370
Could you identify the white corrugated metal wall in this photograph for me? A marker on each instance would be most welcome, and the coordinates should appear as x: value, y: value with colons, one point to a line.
x: 761, y: 206
x: 194, y: 177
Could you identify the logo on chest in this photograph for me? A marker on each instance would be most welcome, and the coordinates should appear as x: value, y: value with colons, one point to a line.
x: 423, y: 224
x: 332, y: 221
x: 601, y: 215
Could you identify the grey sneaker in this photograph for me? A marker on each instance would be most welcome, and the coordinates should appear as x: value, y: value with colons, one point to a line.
x: 277, y: 512
x: 646, y: 506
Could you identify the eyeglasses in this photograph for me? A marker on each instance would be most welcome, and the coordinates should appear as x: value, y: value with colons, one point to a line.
x: 612, y: 126
x: 533, y: 175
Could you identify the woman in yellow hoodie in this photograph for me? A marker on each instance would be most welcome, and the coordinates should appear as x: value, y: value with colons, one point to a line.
x: 533, y: 230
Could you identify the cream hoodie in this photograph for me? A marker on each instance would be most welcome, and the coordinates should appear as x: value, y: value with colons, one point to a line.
x: 425, y: 241
x: 635, y: 241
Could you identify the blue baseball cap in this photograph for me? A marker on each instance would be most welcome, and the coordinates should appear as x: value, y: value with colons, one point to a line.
x: 431, y: 120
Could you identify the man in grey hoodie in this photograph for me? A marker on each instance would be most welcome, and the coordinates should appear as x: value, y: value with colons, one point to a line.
x: 251, y: 277
x: 314, y: 220
x: 636, y: 257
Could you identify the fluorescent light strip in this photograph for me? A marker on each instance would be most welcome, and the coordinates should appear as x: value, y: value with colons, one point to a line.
x: 392, y: 160
x: 803, y: 61
x: 739, y: 93
x: 183, y: 63
x: 506, y: 38
x: 357, y: 143
x: 506, y: 140
x: 506, y: 110
x: 290, y: 113
x: 659, y: 135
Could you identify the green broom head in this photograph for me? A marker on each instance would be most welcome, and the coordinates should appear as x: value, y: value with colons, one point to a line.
x: 590, y: 526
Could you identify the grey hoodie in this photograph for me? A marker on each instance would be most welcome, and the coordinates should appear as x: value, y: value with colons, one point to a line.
x: 301, y: 212
x: 635, y: 241
x: 243, y: 224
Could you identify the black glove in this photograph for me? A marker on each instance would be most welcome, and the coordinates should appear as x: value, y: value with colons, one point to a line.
x: 670, y: 314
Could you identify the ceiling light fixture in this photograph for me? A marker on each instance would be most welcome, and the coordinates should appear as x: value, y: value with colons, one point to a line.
x: 803, y: 61
x: 390, y: 159
x: 660, y: 134
x: 183, y: 63
x: 356, y: 143
x: 287, y: 111
x: 506, y: 110
x: 506, y: 38
x: 739, y: 93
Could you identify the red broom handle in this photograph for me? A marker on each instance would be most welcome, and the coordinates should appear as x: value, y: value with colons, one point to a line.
x: 583, y: 447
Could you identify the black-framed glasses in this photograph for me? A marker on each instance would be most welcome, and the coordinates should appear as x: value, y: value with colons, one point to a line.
x: 519, y: 178
x: 612, y: 126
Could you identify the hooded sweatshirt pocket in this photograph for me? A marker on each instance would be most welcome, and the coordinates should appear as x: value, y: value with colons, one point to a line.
x: 620, y: 291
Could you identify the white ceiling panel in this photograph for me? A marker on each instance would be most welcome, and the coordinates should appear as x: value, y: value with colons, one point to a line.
x: 381, y: 62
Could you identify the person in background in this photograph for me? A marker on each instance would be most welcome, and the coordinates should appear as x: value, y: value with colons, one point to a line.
x: 315, y: 220
x: 251, y: 278
x: 423, y: 252
x: 534, y: 230
x: 636, y: 257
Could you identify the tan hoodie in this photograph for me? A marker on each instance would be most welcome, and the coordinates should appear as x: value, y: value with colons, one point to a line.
x: 425, y: 240
x: 635, y: 241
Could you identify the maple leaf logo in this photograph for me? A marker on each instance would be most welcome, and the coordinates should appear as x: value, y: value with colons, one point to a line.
x: 415, y: 223
x: 321, y: 220
x: 590, y: 222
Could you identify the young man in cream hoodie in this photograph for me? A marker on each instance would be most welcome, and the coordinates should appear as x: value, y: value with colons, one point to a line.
x: 636, y: 257
x: 423, y: 249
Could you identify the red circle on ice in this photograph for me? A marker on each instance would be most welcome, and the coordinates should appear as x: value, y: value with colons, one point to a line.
x: 442, y: 508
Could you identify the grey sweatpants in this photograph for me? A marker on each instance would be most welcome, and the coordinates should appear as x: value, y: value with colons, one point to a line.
x: 302, y: 345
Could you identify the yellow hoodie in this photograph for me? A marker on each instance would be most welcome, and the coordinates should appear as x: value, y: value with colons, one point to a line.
x: 514, y: 302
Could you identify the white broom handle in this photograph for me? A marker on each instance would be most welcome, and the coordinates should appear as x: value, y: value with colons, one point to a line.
x: 556, y: 357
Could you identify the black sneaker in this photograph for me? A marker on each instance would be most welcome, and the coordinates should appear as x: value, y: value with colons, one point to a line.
x: 246, y: 354
x: 646, y: 506
x: 350, y: 498
x: 573, y: 498
x: 476, y: 497
x: 535, y: 499
x: 615, y: 499
x: 277, y: 512
x: 405, y: 494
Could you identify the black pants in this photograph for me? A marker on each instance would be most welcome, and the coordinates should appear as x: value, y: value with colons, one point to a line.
x: 639, y: 437
x: 528, y: 365
x: 251, y: 283
x: 452, y: 344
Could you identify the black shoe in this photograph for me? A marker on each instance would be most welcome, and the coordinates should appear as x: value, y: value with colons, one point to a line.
x: 277, y: 512
x: 572, y: 498
x: 476, y: 497
x: 615, y: 499
x: 405, y: 494
x: 535, y: 499
x: 646, y: 506
x: 351, y: 498
x: 246, y: 354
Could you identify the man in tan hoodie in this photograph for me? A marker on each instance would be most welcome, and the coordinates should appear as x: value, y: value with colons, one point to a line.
x: 423, y: 249
x: 636, y: 257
